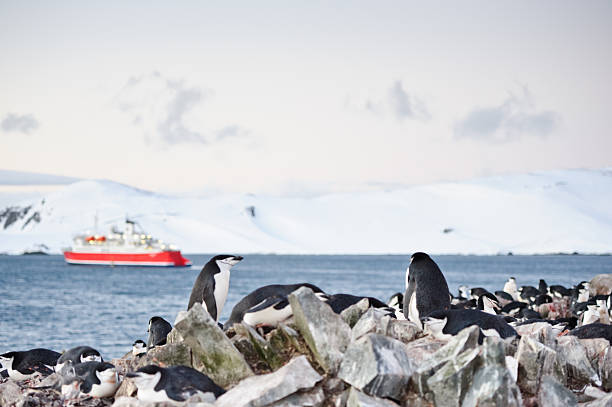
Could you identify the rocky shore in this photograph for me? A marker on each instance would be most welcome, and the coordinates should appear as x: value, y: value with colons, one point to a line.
x: 361, y: 357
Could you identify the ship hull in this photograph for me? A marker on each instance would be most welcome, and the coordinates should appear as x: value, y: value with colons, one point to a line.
x: 156, y: 259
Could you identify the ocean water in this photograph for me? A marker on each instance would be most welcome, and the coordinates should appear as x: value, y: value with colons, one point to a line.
x: 46, y: 303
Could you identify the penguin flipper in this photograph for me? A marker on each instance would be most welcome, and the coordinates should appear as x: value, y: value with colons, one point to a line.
x: 204, y: 292
x: 408, y: 296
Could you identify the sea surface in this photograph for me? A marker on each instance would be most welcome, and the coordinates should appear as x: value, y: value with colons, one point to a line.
x: 46, y: 303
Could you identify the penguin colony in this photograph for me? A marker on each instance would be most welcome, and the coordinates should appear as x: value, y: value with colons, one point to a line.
x: 426, y: 301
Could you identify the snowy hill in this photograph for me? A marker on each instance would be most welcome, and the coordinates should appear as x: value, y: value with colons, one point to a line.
x: 548, y: 212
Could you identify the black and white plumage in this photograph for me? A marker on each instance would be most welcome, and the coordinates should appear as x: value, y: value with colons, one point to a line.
x: 513, y: 308
x: 158, y: 331
x: 270, y: 312
x: 212, y: 284
x: 78, y: 354
x: 444, y: 323
x: 559, y: 291
x: 174, y: 383
x: 488, y: 303
x: 259, y: 295
x: 397, y: 303
x: 427, y: 290
x: 528, y: 294
x: 22, y: 365
x: 340, y: 302
x: 594, y: 330
x: 93, y: 378
x: 139, y: 348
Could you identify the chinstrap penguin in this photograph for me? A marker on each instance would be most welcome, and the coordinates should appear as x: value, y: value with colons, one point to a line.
x: 158, y: 331
x: 453, y: 321
x: 171, y: 384
x: 270, y: 312
x: 212, y: 284
x: 94, y: 378
x: 427, y: 289
x: 139, y: 348
x: 23, y: 365
x: 79, y: 354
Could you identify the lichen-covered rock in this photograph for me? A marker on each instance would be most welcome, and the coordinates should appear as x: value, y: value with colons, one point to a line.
x: 353, y: 313
x: 535, y: 361
x: 269, y: 388
x: 493, y: 386
x: 378, y: 321
x: 325, y: 332
x: 264, y: 350
x: 575, y: 357
x: 450, y: 383
x: 601, y: 284
x: 553, y: 393
x: 359, y: 399
x: 212, y: 352
x: 465, y: 340
x: 378, y: 366
x: 171, y: 354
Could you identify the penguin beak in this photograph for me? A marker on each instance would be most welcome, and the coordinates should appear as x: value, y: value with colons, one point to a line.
x: 132, y: 374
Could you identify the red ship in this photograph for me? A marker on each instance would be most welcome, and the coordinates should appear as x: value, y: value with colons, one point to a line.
x: 130, y: 247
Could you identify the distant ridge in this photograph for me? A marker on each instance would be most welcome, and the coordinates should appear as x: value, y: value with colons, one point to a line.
x: 8, y: 177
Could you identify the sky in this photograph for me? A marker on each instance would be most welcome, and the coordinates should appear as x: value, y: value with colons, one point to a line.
x: 298, y: 98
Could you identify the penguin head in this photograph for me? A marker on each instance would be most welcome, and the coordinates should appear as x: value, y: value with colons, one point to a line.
x: 6, y: 359
x: 90, y: 355
x: 107, y: 373
x: 396, y: 301
x: 139, y: 347
x: 146, y: 377
x: 488, y: 303
x: 434, y: 323
x: 225, y: 261
x: 154, y: 320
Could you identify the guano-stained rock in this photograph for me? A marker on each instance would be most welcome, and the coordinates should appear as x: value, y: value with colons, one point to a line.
x: 212, y: 352
x: 325, y: 332
x: 269, y: 388
x: 553, y: 393
x: 378, y: 366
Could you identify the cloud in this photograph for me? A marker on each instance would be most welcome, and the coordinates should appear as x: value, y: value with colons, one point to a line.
x: 397, y: 102
x: 19, y: 123
x: 515, y: 118
x: 162, y: 108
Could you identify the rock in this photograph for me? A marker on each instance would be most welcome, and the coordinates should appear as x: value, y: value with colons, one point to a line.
x: 174, y: 336
x: 450, y: 383
x: 264, y: 350
x: 10, y: 393
x: 594, y: 393
x: 325, y: 332
x: 575, y: 357
x: 131, y: 402
x: 601, y: 284
x: 377, y: 321
x: 493, y: 386
x: 465, y: 340
x: 540, y: 331
x: 602, y: 402
x: 212, y: 352
x: 353, y: 313
x: 493, y: 352
x: 378, y: 366
x: 127, y: 388
x: 605, y: 368
x: 269, y: 388
x: 553, y: 393
x: 359, y: 399
x: 536, y: 360
x: 312, y: 398
x: 172, y: 354
x: 595, y: 351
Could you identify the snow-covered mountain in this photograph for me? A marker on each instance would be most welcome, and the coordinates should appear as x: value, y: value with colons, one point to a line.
x: 546, y: 212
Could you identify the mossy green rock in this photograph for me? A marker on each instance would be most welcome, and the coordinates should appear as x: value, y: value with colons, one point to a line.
x: 212, y: 352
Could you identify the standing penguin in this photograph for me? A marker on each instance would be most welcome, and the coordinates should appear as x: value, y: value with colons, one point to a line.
x: 158, y: 331
x: 212, y: 284
x: 426, y: 289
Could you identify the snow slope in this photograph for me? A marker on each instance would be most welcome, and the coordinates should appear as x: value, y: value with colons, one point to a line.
x: 547, y: 212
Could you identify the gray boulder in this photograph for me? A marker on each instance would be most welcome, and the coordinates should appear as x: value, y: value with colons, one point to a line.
x: 212, y: 352
x: 269, y: 388
x: 596, y: 349
x: 605, y: 368
x: 325, y: 332
x: 493, y: 386
x: 450, y: 383
x: 377, y: 365
x: 601, y: 284
x: 553, y: 393
x: 377, y: 321
x: 359, y: 399
x: 353, y: 313
x: 10, y: 393
x: 575, y: 357
x: 429, y: 363
x: 311, y: 398
x: 535, y: 361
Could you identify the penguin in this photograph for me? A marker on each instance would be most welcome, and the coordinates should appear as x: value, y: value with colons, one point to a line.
x: 269, y: 312
x: 444, y: 323
x: 397, y: 303
x: 558, y: 291
x: 528, y: 294
x: 171, y: 384
x: 427, y: 289
x: 594, y: 330
x: 543, y: 299
x: 503, y: 297
x: 340, y: 302
x: 158, y: 330
x: 510, y: 288
x: 543, y: 287
x: 212, y: 284
x: 488, y: 303
x: 139, y: 348
x: 23, y: 365
x: 477, y: 292
x: 257, y: 296
x: 79, y: 354
x: 93, y: 378
x: 513, y: 308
